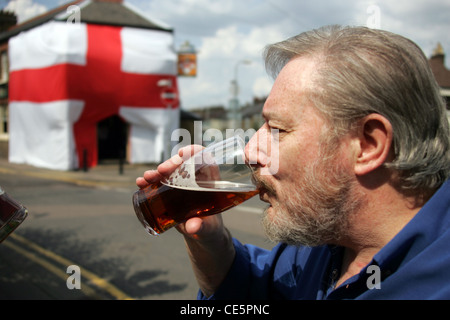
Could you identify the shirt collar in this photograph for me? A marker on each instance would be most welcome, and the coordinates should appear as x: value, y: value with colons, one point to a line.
x: 427, y: 225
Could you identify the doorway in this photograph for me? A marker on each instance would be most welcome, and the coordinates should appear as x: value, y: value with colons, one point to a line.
x: 112, y: 136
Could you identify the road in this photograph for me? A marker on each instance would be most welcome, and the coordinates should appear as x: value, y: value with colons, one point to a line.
x: 95, y: 229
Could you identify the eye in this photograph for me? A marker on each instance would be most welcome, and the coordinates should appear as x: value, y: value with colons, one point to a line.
x: 275, y: 129
x: 277, y: 134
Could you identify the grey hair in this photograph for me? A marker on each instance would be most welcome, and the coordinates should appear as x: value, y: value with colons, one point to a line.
x: 362, y: 71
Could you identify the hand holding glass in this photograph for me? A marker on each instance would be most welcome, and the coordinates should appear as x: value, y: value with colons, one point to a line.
x: 209, y: 182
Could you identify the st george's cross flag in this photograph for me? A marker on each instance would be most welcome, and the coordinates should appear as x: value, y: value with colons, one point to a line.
x: 65, y: 78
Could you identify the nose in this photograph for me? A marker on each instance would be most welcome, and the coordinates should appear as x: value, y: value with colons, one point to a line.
x: 262, y: 151
x: 255, y: 150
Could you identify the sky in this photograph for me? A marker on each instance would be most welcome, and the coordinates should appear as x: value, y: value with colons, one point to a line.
x: 227, y: 32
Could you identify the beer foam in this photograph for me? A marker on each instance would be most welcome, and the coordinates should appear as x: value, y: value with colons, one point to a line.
x: 216, y: 186
x: 183, y: 176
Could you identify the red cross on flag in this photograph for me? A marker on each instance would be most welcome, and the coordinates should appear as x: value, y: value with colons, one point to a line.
x: 65, y: 78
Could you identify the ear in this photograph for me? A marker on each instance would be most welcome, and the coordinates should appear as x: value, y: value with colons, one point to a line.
x: 374, y: 140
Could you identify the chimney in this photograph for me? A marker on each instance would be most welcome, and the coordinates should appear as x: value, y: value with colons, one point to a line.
x: 437, y: 64
x: 438, y: 54
x: 7, y: 20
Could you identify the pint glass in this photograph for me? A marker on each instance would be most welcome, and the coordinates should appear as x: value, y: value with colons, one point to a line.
x: 209, y: 182
x: 12, y: 214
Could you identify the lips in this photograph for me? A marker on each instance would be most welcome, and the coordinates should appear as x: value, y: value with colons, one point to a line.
x: 264, y: 195
x: 265, y: 190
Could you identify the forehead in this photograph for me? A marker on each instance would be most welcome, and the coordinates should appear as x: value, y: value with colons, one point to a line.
x: 289, y: 90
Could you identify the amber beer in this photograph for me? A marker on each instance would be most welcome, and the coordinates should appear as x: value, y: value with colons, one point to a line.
x: 160, y: 206
x: 12, y: 214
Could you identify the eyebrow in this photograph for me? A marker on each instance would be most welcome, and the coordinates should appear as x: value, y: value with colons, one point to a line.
x: 273, y: 116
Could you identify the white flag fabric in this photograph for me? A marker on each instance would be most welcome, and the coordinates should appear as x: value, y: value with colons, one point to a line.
x: 65, y: 78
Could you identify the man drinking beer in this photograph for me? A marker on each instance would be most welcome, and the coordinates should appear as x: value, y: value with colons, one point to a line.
x: 361, y: 187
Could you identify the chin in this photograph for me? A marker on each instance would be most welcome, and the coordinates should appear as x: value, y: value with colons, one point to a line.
x: 270, y: 213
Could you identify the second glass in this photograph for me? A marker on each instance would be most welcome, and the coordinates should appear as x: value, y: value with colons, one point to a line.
x: 211, y: 181
x: 12, y: 214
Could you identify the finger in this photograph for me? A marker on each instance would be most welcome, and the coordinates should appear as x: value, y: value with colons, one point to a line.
x: 151, y: 176
x: 168, y: 166
x: 193, y: 226
x: 192, y: 233
x: 141, y: 182
x: 188, y: 151
x: 202, y: 228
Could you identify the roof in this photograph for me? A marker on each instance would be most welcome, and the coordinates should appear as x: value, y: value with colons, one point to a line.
x: 187, y: 115
x: 105, y: 12
x: 253, y: 109
x: 441, y: 73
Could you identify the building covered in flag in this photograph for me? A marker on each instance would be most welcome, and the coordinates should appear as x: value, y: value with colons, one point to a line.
x: 90, y: 80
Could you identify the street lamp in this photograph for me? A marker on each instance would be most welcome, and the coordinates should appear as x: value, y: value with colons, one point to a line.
x: 234, y: 102
x: 168, y: 97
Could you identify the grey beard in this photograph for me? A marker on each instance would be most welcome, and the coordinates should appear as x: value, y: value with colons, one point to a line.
x: 317, y: 211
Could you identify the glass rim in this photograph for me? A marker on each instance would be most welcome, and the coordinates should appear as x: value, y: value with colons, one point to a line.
x: 13, y: 222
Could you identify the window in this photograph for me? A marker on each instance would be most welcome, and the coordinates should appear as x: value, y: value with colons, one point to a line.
x: 3, y: 67
x: 3, y: 118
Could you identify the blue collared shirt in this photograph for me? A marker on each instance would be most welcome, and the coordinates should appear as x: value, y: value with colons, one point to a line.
x: 415, y: 264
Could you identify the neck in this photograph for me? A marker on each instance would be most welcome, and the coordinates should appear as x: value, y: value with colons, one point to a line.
x: 353, y: 262
x: 384, y: 213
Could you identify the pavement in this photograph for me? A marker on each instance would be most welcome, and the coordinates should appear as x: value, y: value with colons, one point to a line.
x: 106, y: 175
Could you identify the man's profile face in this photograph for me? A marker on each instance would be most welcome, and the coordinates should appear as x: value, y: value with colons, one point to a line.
x: 302, y: 191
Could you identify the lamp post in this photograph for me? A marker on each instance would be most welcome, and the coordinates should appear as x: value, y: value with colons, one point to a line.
x: 234, y: 102
x: 169, y: 97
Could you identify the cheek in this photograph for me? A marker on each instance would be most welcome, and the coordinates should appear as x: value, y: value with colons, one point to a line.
x: 292, y: 157
x: 272, y: 159
x: 284, y: 172
x: 263, y: 149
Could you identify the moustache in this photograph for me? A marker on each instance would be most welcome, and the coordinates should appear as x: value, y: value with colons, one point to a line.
x: 262, y: 185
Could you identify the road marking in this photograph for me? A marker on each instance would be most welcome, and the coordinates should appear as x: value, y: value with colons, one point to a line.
x: 94, y: 279
x: 64, y: 177
x: 50, y: 267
